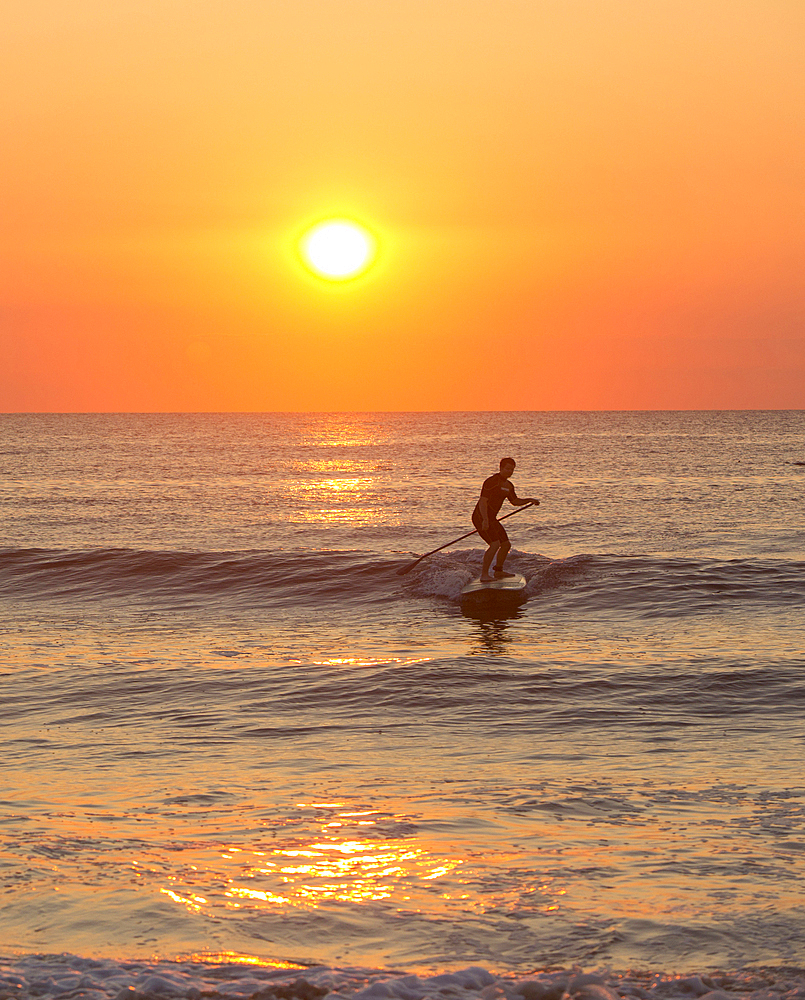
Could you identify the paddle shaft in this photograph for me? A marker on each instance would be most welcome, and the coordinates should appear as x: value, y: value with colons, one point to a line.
x: 407, y: 569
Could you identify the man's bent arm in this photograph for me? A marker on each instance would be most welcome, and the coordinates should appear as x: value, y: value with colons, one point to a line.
x: 520, y: 501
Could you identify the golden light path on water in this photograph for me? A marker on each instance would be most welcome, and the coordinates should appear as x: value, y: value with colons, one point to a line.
x: 228, y: 957
x: 333, y: 490
x: 328, y: 869
x: 350, y: 869
x: 339, y: 500
x: 369, y: 661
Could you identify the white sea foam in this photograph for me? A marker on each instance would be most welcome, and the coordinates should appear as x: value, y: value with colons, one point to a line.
x: 70, y: 977
x: 447, y: 573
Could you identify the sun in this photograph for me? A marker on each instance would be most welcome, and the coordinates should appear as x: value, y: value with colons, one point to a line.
x: 338, y: 249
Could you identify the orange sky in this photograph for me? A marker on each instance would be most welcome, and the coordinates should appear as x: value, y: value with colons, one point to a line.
x: 581, y: 204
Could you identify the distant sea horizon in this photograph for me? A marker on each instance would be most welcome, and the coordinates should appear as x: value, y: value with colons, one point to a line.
x: 695, y: 409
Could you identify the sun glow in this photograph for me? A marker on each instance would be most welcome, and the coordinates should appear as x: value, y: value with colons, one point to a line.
x: 338, y: 249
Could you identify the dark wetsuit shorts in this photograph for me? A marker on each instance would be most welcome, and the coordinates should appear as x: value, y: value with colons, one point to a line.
x: 496, y: 532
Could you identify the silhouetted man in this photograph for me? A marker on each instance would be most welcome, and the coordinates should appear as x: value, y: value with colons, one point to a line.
x: 495, y: 490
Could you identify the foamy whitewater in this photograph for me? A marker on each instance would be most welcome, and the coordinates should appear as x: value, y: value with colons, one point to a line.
x: 243, y: 757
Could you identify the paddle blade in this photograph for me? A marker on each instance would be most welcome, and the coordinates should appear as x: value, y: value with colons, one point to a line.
x: 407, y: 569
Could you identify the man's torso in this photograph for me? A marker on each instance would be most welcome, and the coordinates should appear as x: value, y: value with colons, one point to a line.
x: 496, y: 489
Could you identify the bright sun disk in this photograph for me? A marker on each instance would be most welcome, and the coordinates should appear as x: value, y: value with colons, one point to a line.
x: 338, y: 249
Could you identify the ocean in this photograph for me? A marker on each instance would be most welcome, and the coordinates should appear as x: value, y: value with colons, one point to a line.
x: 243, y: 756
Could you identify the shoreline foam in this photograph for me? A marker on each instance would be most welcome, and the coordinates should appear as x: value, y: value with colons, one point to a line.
x: 70, y: 977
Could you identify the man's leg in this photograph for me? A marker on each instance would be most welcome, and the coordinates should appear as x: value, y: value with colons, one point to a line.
x: 503, y: 551
x: 489, y: 555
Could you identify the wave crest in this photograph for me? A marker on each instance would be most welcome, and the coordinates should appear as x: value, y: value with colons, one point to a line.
x: 651, y: 585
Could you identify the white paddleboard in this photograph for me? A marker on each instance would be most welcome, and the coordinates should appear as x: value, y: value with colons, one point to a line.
x: 508, y: 586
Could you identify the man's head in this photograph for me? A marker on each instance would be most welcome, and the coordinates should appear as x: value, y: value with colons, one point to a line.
x: 507, y: 467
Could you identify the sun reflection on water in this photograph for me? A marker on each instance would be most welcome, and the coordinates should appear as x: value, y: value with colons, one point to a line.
x: 344, y: 863
x: 369, y: 661
x: 230, y: 957
x: 339, y: 485
x: 348, y: 497
x: 193, y: 903
x: 329, y: 431
x: 347, y: 871
x: 344, y: 853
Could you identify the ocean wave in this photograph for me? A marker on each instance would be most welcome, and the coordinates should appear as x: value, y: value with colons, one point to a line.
x: 648, y: 585
x: 177, y: 576
x: 653, y: 585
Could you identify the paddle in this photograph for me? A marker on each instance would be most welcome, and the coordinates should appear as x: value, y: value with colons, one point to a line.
x: 416, y: 562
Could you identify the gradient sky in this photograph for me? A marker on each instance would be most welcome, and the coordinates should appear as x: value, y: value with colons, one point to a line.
x: 581, y: 204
